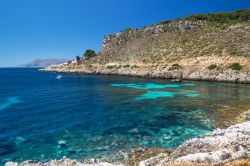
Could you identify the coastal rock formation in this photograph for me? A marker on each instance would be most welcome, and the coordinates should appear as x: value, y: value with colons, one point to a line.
x: 63, y: 162
x: 218, y: 147
x: 111, y: 42
x: 222, y: 146
x: 189, y: 73
x: 183, y: 49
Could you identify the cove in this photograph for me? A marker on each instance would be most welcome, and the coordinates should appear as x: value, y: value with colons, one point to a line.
x: 88, y: 116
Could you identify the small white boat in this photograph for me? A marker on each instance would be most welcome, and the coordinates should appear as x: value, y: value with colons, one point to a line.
x: 59, y: 76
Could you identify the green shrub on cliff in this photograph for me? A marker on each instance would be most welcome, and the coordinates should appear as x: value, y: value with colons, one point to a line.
x: 175, y: 66
x: 212, y: 66
x: 164, y: 22
x: 233, y: 52
x: 89, y: 54
x: 127, y: 30
x: 235, y: 66
x: 118, y: 66
x: 221, y: 17
x: 125, y: 66
x: 238, y: 15
x: 110, y: 67
x: 134, y: 66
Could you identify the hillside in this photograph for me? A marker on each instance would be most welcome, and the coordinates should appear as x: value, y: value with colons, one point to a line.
x: 41, y: 63
x: 212, y: 47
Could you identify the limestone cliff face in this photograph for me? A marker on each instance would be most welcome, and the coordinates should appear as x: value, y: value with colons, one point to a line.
x: 111, y: 42
x: 162, y: 44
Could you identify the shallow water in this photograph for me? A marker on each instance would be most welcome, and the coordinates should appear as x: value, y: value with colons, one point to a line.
x: 86, y: 116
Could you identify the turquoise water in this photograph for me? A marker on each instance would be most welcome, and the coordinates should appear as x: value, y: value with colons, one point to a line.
x: 149, y: 94
x: 86, y: 116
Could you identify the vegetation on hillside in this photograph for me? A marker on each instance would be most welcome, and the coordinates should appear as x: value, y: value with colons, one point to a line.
x: 175, y: 66
x: 127, y: 30
x: 235, y: 66
x: 221, y: 17
x: 89, y: 54
x: 78, y: 58
x: 212, y: 66
x: 239, y: 15
x: 110, y: 66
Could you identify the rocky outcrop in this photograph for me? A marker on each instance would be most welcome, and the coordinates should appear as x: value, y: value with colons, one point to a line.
x: 63, y: 162
x: 222, y: 74
x: 218, y: 146
x: 175, y: 41
x: 111, y: 41
x: 221, y: 146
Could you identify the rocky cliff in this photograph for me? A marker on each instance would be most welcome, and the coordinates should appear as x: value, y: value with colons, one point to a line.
x: 173, y: 42
x: 205, y: 48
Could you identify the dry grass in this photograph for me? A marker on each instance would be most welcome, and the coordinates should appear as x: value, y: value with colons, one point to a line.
x: 239, y: 163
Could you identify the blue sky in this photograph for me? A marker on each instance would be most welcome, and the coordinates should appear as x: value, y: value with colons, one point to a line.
x: 31, y: 29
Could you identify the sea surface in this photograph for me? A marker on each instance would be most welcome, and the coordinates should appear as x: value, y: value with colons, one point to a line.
x: 87, y: 116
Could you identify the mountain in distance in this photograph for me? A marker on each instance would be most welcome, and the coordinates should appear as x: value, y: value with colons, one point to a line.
x: 42, y: 63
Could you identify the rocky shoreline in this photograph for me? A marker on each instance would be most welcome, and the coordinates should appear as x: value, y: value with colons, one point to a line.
x: 203, y: 74
x: 222, y: 146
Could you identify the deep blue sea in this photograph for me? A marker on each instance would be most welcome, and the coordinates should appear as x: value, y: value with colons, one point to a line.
x: 86, y: 116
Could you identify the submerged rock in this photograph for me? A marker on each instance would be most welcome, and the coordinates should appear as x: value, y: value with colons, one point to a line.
x: 232, y: 114
x: 222, y: 146
x: 176, y: 80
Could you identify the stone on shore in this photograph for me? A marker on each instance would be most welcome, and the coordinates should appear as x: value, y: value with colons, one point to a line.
x: 219, y: 147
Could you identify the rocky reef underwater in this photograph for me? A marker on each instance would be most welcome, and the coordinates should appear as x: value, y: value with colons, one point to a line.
x: 229, y: 146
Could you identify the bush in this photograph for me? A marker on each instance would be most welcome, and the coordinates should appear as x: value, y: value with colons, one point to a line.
x: 164, y: 22
x: 235, y: 66
x: 89, y: 53
x: 134, y: 66
x: 109, y: 67
x: 78, y: 58
x: 241, y: 15
x: 197, y: 17
x: 233, y: 52
x: 175, y: 66
x: 211, y: 67
x: 126, y: 66
x: 90, y: 65
x: 219, y: 17
x: 118, y: 67
x: 127, y: 30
